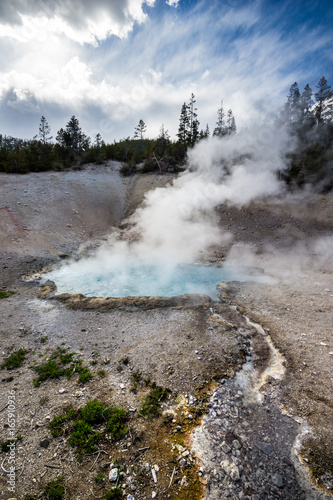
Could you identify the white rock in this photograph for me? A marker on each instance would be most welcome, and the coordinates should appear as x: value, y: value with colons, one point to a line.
x: 154, y: 475
x: 113, y: 474
x: 153, y: 494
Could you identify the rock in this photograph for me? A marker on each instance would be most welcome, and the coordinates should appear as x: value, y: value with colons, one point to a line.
x: 62, y: 391
x: 236, y: 444
x: 225, y: 448
x: 277, y: 480
x: 146, y: 467
x: 45, y: 443
x: 154, y: 475
x: 266, y: 448
x: 153, y: 494
x: 129, y: 497
x: 113, y: 474
x: 230, y: 469
x: 156, y: 467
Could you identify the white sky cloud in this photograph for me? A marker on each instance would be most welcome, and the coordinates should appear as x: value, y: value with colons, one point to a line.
x: 58, y: 58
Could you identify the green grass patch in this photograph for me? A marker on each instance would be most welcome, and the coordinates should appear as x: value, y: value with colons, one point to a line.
x: 82, y: 425
x: 101, y: 373
x: 56, y: 425
x: 99, y: 478
x: 14, y: 360
x: 43, y: 339
x: 5, y: 445
x: 4, y: 294
x: 151, y: 404
x: 61, y: 364
x: 55, y: 490
x: 115, y: 493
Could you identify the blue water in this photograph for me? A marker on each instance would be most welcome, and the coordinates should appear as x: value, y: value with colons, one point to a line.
x: 142, y: 280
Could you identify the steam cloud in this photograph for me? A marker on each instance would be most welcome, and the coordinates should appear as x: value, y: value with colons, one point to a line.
x: 176, y: 223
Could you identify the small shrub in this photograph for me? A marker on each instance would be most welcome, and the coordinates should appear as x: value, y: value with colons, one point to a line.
x: 83, y: 438
x: 60, y: 364
x: 55, y: 490
x: 116, y: 422
x: 135, y: 378
x: 93, y: 412
x: 43, y: 340
x: 56, y: 424
x: 101, y: 373
x: 99, y: 478
x: 151, y: 404
x: 15, y: 360
x: 4, y: 294
x: 9, y: 379
x: 85, y: 377
x: 114, y: 494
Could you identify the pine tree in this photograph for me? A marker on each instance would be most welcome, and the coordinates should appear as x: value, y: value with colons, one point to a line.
x: 231, y: 123
x: 293, y: 105
x: 220, y: 129
x: 139, y: 130
x: 193, y: 133
x: 306, y: 103
x: 183, y: 129
x: 44, y: 131
x: 323, y: 111
x: 73, y: 139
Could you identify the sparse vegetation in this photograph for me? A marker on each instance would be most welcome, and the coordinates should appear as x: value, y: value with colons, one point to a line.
x: 115, y: 493
x: 81, y: 425
x: 14, y: 360
x: 43, y: 340
x: 55, y: 490
x: 61, y: 364
x: 151, y: 404
x: 4, y: 294
x: 101, y: 373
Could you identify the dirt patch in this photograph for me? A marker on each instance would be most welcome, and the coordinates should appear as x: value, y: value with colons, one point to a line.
x: 182, y: 348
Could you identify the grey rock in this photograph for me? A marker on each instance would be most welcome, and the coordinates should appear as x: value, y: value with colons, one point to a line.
x: 266, y: 448
x: 113, y: 474
x: 277, y: 480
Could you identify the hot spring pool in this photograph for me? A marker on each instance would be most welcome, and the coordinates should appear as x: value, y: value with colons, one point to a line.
x: 137, y: 279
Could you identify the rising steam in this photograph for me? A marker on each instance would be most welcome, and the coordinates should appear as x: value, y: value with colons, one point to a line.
x: 176, y: 223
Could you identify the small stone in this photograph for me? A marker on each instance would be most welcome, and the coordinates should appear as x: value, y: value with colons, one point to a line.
x: 146, y: 467
x: 61, y: 391
x: 113, y: 474
x: 45, y: 443
x: 153, y: 494
x: 236, y: 444
x: 277, y: 480
x: 266, y: 448
x: 225, y: 448
x: 156, y: 467
x: 190, y: 417
x: 129, y: 497
x: 154, y: 475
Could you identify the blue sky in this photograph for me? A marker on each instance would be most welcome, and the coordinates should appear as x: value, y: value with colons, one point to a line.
x: 114, y: 62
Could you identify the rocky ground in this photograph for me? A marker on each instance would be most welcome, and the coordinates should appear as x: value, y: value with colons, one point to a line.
x: 280, y: 403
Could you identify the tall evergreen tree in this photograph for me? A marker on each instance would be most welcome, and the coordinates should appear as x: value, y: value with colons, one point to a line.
x: 323, y: 111
x: 183, y: 129
x: 44, y: 131
x: 231, y: 123
x: 220, y: 129
x: 73, y: 139
x: 139, y: 130
x: 306, y: 103
x: 293, y: 105
x: 193, y: 133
